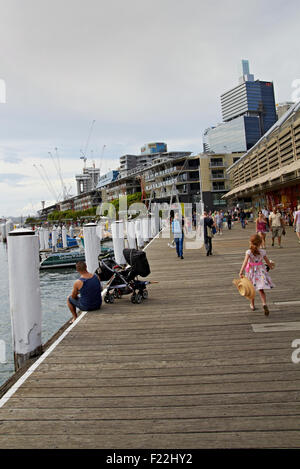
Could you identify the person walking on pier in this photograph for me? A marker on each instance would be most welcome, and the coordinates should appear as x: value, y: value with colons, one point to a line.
x: 261, y: 228
x: 177, y: 230
x: 86, y: 294
x: 208, y: 235
x: 255, y: 270
x: 243, y: 218
x: 297, y: 222
x: 219, y: 222
x: 277, y: 226
x: 229, y: 219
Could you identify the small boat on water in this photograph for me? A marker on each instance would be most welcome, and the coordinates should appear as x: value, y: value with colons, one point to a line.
x: 66, y: 259
x: 62, y: 259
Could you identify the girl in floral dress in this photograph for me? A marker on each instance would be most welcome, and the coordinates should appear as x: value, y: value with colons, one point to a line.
x: 255, y: 270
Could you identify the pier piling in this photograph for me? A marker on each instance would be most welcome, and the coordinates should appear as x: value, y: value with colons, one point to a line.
x: 25, y: 299
x: 117, y: 230
x: 92, y: 246
x: 131, y: 239
x: 64, y: 237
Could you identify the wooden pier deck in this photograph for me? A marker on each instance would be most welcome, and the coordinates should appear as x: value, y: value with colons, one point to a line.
x: 184, y: 369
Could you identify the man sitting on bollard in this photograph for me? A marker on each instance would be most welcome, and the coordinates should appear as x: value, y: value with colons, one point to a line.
x: 86, y: 294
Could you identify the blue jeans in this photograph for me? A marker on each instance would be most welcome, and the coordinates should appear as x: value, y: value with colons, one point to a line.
x: 243, y: 222
x: 179, y: 245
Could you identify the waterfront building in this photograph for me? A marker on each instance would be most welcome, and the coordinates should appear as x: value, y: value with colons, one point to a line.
x: 127, y: 162
x: 248, y: 111
x: 79, y: 202
x: 163, y: 178
x: 87, y: 180
x: 269, y: 173
x: 190, y: 177
x: 134, y: 180
x: 107, y: 178
x: 215, y: 182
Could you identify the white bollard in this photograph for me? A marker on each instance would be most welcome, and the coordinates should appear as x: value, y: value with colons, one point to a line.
x: 24, y: 293
x: 46, y: 238
x: 54, y: 239
x: 92, y: 247
x: 64, y: 237
x: 41, y: 238
x: 145, y: 229
x: 138, y: 233
x: 155, y: 221
x: 131, y: 240
x: 117, y: 231
x: 71, y: 231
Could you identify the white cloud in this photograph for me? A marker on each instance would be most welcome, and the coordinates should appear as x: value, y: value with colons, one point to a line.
x: 24, y: 189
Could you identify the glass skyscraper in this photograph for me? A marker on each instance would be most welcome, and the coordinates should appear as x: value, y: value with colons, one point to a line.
x: 248, y: 111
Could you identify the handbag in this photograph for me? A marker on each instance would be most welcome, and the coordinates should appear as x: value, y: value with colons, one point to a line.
x: 210, y: 233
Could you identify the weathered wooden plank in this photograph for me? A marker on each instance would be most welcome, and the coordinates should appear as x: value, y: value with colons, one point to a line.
x: 178, y: 389
x: 91, y: 370
x: 162, y: 426
x: 205, y: 440
x: 91, y: 351
x: 95, y: 380
x: 172, y: 412
x: 162, y: 356
x: 154, y: 401
x: 164, y: 364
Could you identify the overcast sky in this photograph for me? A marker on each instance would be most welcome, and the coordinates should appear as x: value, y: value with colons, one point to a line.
x: 143, y: 70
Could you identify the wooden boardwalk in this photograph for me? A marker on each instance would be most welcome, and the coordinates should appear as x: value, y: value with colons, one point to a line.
x: 182, y: 370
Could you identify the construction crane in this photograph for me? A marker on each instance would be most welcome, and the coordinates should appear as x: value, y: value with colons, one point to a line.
x: 47, y: 181
x: 84, y: 157
x: 57, y: 166
x: 101, y: 156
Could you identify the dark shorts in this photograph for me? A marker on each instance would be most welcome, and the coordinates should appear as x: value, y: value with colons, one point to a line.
x: 77, y: 304
x: 74, y: 302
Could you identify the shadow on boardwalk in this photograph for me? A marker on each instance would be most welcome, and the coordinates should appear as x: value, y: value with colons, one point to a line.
x: 182, y: 370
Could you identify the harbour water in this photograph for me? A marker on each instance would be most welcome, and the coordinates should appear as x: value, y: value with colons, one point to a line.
x: 56, y: 285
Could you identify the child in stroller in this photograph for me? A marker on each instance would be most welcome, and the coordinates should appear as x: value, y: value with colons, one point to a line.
x: 124, y: 281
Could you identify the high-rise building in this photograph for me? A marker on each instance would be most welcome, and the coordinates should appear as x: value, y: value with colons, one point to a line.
x: 127, y: 162
x: 248, y: 111
x: 88, y: 180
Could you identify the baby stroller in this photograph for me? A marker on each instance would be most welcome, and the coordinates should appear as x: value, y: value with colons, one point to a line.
x: 124, y: 281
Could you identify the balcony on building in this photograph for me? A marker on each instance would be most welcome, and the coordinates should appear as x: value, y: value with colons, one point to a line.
x: 217, y: 174
x: 217, y: 163
x: 219, y: 186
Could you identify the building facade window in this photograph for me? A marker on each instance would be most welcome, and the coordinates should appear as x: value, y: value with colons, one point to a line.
x: 218, y: 186
x: 216, y: 162
x: 217, y: 174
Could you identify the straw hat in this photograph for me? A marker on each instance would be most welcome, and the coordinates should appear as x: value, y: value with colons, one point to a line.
x: 245, y: 287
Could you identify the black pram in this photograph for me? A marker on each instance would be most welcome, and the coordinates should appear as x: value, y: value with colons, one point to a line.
x: 124, y: 281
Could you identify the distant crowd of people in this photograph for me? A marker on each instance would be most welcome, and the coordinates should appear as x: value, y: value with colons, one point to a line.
x: 256, y: 264
x: 266, y: 221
